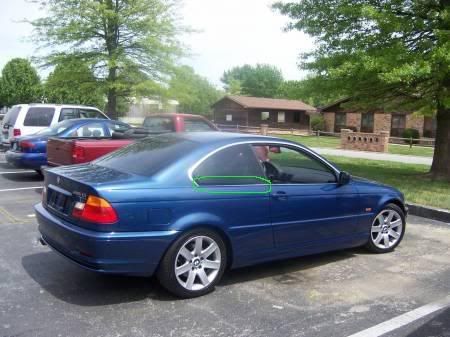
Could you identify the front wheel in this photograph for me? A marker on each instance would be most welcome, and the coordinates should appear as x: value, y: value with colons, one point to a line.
x: 387, y: 229
x: 194, y: 264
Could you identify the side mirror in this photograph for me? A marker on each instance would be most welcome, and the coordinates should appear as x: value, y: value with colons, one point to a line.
x: 344, y: 178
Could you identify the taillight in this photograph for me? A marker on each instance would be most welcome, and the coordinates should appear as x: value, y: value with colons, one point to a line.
x: 96, y: 210
x: 16, y: 132
x: 26, y: 145
x: 78, y: 153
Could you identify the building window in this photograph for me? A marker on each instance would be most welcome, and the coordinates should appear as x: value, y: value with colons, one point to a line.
x: 367, y: 122
x: 229, y: 118
x: 265, y: 115
x: 296, y: 116
x: 281, y: 117
x: 340, y: 121
x: 398, y: 125
x: 429, y: 127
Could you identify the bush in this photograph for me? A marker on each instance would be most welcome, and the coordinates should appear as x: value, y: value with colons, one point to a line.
x: 317, y: 123
x: 411, y: 133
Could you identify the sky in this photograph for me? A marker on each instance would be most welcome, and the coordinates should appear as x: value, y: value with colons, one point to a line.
x: 228, y: 33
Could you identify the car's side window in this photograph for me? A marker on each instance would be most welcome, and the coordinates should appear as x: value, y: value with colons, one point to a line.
x: 284, y: 165
x: 68, y: 113
x: 90, y: 113
x: 234, y: 165
x: 93, y: 130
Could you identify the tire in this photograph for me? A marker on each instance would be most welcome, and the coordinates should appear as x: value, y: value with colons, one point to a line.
x: 39, y: 172
x: 192, y: 265
x: 387, y: 230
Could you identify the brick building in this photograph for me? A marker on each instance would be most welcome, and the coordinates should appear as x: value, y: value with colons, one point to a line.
x: 254, y: 111
x: 338, y: 117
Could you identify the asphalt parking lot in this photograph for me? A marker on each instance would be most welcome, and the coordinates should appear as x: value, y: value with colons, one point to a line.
x: 335, y: 294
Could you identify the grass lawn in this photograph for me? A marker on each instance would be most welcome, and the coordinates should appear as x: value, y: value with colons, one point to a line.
x: 334, y: 143
x: 408, y: 178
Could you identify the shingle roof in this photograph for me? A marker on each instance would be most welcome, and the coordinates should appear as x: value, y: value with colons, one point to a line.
x: 270, y: 103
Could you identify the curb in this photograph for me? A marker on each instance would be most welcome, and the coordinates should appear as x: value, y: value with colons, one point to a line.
x: 429, y: 212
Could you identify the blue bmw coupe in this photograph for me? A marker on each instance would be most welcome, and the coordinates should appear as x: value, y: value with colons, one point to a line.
x: 188, y: 206
x: 30, y: 152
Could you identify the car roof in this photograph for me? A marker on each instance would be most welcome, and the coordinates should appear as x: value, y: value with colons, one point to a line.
x: 212, y: 137
x: 174, y: 114
x: 51, y: 105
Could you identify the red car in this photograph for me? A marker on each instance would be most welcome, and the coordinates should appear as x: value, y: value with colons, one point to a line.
x: 77, y: 151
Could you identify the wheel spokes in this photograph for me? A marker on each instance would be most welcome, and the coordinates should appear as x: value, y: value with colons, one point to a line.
x: 183, y: 269
x: 211, y: 264
x: 394, y: 234
x: 198, y: 246
x: 396, y: 223
x: 203, y: 277
x: 209, y: 251
x: 190, y: 280
x: 186, y: 253
x: 386, y: 241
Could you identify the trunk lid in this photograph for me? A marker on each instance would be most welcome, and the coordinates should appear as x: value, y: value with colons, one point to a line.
x: 67, y: 185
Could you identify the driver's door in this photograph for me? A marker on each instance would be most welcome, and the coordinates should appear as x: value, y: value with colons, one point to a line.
x: 308, y: 206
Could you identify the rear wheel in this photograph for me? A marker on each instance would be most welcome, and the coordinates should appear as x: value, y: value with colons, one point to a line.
x: 39, y: 172
x: 387, y: 230
x: 194, y: 264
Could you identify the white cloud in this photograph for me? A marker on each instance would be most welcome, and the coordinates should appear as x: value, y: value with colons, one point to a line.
x: 232, y: 32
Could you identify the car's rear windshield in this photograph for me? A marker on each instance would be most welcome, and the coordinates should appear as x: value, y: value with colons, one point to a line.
x: 57, y: 128
x: 159, y: 124
x: 148, y: 156
x: 11, y: 116
x: 39, y: 116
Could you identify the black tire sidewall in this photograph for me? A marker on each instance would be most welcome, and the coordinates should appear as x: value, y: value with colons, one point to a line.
x: 166, y: 271
x: 371, y: 246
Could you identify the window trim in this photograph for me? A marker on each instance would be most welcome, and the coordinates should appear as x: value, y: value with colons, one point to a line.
x: 282, y: 113
x: 308, y: 152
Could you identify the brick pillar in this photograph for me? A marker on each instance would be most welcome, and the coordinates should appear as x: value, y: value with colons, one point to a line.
x: 384, y: 141
x: 415, y: 122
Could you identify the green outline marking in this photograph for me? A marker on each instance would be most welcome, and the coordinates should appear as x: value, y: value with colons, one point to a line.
x: 199, y: 188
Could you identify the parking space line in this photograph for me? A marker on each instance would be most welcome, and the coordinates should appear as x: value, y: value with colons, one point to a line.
x: 18, y: 172
x: 20, y: 189
x: 404, y: 319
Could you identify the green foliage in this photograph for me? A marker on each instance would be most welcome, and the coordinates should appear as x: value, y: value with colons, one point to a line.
x: 411, y: 133
x: 124, y: 41
x: 20, y: 83
x: 310, y: 90
x: 393, y: 54
x: 73, y: 82
x: 262, y: 80
x: 194, y: 93
x: 317, y: 123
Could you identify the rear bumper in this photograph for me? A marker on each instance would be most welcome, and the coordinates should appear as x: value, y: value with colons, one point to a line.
x: 130, y: 253
x: 32, y: 161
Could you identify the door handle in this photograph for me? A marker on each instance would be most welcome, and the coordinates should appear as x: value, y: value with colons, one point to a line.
x: 280, y: 195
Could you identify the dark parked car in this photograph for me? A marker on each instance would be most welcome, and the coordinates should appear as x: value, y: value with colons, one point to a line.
x: 189, y: 206
x: 31, y: 151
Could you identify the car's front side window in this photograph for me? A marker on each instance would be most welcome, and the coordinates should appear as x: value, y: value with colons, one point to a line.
x: 284, y: 165
x: 234, y: 165
x: 92, y: 130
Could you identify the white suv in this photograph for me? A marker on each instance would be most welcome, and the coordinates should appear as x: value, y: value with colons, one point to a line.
x: 26, y: 119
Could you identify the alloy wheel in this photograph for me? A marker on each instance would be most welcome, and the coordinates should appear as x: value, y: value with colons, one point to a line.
x: 197, y: 263
x: 386, y: 229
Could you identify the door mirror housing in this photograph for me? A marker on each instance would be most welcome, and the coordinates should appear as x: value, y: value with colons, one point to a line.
x: 344, y: 178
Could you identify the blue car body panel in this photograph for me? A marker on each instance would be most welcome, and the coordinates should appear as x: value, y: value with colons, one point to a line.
x: 37, y: 157
x: 291, y: 220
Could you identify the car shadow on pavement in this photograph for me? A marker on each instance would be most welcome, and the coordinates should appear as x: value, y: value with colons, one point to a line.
x: 23, y: 177
x: 73, y: 284
x: 283, y: 270
x: 70, y: 283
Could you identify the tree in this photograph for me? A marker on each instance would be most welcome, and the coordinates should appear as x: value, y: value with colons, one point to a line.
x: 116, y: 37
x: 20, y: 83
x: 262, y: 80
x: 194, y: 93
x: 310, y: 90
x: 390, y: 53
x: 73, y: 82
